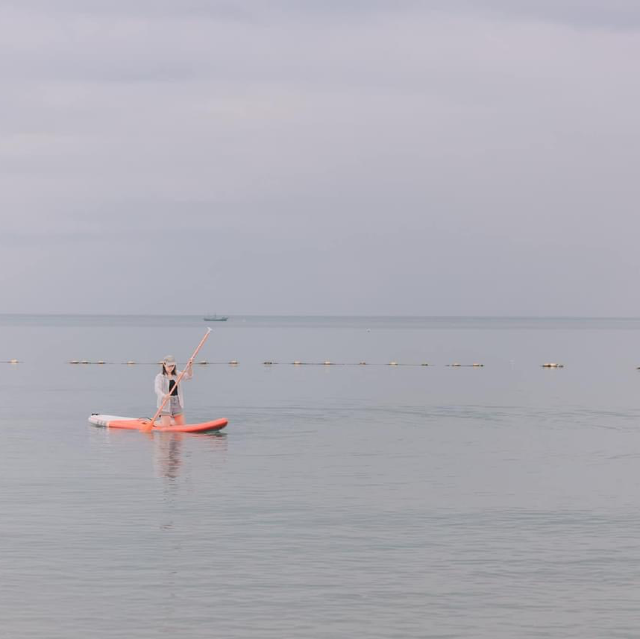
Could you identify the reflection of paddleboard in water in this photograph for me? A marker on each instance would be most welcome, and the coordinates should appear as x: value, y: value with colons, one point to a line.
x: 167, y: 454
x: 133, y: 423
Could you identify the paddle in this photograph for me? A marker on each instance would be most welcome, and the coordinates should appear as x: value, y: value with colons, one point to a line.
x: 149, y: 426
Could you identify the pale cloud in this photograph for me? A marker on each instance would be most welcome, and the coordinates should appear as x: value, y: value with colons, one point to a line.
x: 367, y: 157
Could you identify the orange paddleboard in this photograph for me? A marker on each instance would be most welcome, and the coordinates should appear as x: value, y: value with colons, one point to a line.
x: 133, y: 423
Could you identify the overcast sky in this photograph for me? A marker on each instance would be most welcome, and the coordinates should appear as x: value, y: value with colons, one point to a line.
x: 442, y: 157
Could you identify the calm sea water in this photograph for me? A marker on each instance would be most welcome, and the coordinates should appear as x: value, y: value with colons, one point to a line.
x: 376, y: 501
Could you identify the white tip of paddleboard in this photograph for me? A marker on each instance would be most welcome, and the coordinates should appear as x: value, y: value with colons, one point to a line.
x: 103, y: 420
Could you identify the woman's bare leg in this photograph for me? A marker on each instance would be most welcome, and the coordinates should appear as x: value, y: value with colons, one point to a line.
x: 165, y: 420
x: 179, y: 420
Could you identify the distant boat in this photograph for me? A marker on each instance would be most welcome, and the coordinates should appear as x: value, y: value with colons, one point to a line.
x: 215, y: 318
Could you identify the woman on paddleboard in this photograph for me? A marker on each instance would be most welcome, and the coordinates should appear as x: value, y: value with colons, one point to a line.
x: 165, y: 384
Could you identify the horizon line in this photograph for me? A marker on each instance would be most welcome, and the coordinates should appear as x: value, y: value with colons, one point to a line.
x: 298, y: 315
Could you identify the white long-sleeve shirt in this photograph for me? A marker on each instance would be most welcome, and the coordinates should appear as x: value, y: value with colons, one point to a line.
x: 162, y: 386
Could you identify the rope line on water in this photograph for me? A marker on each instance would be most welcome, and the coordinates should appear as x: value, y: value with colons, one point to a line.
x: 233, y: 362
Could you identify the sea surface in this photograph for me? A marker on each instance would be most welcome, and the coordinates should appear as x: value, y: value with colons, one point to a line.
x: 343, y: 500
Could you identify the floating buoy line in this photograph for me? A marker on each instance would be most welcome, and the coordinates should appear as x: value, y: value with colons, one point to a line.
x: 132, y: 362
x: 233, y: 362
